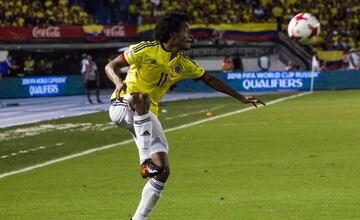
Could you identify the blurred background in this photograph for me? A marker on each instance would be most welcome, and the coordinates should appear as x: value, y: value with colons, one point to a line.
x: 50, y: 38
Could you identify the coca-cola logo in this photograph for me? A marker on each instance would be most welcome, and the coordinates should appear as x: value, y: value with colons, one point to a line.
x: 46, y: 32
x: 114, y: 31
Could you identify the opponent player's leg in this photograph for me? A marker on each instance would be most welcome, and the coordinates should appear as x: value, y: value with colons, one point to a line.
x: 140, y: 103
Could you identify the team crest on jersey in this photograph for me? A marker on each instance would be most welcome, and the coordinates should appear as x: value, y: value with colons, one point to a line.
x: 177, y: 69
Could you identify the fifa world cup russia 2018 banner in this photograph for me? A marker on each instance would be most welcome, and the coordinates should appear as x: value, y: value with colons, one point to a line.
x: 277, y: 81
x: 236, y: 32
x: 272, y: 80
x: 256, y: 81
x: 41, y: 86
x: 67, y: 32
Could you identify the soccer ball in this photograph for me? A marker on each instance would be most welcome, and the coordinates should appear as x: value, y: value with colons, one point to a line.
x: 303, y: 26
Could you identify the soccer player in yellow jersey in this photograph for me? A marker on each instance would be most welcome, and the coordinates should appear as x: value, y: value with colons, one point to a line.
x: 153, y: 67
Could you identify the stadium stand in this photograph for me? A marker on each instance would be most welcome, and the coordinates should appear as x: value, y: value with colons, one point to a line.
x: 20, y: 13
x: 339, y: 20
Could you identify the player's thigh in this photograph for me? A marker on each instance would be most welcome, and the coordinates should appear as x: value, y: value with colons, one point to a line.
x: 121, y: 114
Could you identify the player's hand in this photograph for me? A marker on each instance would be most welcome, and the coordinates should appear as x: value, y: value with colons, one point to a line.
x: 253, y: 100
x: 121, y: 86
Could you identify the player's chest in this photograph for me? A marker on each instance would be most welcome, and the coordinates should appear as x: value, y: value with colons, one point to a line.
x: 155, y: 68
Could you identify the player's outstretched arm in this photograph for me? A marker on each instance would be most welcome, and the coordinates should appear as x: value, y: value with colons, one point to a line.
x: 112, y: 71
x: 220, y: 86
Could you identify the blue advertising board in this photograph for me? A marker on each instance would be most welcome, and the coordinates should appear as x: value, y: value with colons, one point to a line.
x: 44, y: 86
x: 242, y: 81
x: 278, y: 80
x: 40, y: 86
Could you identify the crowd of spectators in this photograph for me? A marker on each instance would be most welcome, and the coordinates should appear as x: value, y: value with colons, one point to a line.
x: 340, y: 25
x: 21, y: 13
x: 340, y: 21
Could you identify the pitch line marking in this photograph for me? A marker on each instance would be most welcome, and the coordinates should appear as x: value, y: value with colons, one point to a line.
x: 27, y: 151
x: 131, y: 140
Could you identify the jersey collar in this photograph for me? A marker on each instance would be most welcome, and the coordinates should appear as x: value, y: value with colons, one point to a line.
x: 168, y: 53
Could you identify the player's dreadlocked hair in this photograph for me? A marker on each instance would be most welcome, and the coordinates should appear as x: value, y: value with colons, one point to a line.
x: 171, y: 22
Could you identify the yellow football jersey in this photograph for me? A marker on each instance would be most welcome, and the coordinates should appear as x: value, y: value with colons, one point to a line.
x: 151, y: 71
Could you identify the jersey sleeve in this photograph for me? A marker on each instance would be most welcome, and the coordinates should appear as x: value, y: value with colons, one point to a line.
x: 134, y: 56
x: 192, y: 70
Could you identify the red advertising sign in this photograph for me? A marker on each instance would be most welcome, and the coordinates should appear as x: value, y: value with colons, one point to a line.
x: 63, y: 32
x: 46, y: 32
x: 115, y: 31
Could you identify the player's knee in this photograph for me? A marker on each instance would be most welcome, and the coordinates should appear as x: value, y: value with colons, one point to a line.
x: 144, y: 98
x: 141, y: 99
x: 166, y: 172
x: 164, y: 175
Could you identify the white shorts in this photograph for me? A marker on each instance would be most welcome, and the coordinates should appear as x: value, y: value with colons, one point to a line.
x: 123, y: 116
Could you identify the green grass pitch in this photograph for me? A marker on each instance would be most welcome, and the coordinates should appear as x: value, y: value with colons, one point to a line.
x: 297, y: 159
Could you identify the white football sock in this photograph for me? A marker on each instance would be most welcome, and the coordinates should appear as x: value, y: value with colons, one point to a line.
x: 150, y: 195
x: 143, y: 131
